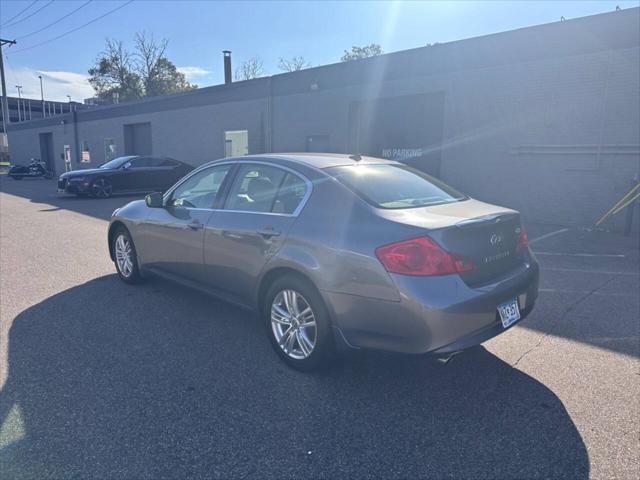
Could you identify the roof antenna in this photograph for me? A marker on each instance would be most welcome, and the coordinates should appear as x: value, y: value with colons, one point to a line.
x: 355, y: 157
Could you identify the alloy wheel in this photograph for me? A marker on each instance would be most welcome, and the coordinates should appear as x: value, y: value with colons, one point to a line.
x: 124, y: 255
x: 294, y: 324
x: 101, y: 188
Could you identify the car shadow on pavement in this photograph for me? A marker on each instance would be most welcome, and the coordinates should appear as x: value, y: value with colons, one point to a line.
x: 108, y: 380
x: 43, y: 191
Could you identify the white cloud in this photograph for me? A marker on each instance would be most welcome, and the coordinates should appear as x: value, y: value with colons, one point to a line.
x: 57, y: 84
x: 194, y: 72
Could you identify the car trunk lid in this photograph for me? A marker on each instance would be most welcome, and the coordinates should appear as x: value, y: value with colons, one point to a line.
x: 484, y: 233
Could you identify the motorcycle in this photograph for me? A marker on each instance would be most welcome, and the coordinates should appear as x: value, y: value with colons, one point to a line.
x: 36, y: 168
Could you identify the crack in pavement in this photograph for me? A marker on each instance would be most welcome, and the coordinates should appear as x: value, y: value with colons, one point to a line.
x: 567, y: 310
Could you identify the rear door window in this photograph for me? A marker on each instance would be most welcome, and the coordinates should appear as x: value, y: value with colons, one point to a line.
x: 395, y: 186
x: 290, y: 195
x: 265, y: 189
x: 255, y: 188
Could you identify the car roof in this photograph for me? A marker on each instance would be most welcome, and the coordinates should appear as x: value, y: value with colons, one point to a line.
x: 317, y: 160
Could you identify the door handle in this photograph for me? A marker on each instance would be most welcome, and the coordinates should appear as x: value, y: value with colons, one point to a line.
x: 268, y: 232
x: 195, y: 225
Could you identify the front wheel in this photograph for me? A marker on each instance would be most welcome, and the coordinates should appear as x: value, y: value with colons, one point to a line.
x: 101, y: 188
x: 125, y: 257
x: 298, y: 324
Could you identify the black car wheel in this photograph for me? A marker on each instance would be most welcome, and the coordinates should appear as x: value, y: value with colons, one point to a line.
x: 101, y: 188
x: 298, y: 324
x: 16, y: 177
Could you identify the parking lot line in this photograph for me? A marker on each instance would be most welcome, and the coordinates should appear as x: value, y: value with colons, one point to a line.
x: 606, y: 255
x: 600, y: 272
x: 547, y: 235
x: 582, y: 292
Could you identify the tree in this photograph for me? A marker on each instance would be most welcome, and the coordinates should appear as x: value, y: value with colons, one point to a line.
x: 146, y: 72
x: 159, y: 75
x: 293, y: 64
x: 249, y: 69
x: 113, y: 73
x: 357, y: 53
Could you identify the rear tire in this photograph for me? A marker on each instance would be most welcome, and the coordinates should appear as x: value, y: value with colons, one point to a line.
x: 297, y: 323
x: 125, y: 257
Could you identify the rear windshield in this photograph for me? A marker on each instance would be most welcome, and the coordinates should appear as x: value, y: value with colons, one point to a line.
x: 395, y: 186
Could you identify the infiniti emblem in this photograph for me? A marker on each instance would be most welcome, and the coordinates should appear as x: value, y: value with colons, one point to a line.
x: 495, y: 240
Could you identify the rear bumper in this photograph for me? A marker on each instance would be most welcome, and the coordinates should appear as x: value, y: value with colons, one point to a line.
x: 434, y: 314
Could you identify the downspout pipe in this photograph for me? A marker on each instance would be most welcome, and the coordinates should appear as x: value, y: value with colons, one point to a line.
x: 76, y: 143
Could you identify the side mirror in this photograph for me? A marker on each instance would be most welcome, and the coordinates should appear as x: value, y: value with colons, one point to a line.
x: 154, y: 200
x: 126, y: 166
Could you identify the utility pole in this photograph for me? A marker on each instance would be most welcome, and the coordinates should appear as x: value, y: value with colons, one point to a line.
x: 19, y: 87
x: 42, y: 95
x: 5, y: 106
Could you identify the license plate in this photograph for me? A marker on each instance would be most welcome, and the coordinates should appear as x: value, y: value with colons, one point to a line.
x: 509, y: 312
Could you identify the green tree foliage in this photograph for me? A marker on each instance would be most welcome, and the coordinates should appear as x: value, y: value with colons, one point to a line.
x: 357, y: 53
x: 146, y: 72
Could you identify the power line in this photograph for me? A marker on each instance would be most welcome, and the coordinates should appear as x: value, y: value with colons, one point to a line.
x: 56, y: 21
x: 73, y: 30
x: 20, y: 12
x: 28, y: 16
x: 11, y: 71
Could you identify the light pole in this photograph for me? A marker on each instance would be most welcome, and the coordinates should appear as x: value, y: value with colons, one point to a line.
x: 69, y: 97
x: 42, y: 96
x: 19, y: 87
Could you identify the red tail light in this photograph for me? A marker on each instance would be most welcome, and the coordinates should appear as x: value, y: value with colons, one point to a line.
x: 421, y: 256
x: 523, y: 240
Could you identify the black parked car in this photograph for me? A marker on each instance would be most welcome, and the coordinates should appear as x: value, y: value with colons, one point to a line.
x: 130, y: 174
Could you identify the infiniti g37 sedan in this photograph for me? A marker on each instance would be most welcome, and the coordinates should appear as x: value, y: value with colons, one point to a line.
x: 336, y: 251
x: 130, y: 174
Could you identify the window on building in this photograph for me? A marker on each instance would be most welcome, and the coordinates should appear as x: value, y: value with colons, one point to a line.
x: 109, y: 149
x: 236, y: 143
x: 86, y: 154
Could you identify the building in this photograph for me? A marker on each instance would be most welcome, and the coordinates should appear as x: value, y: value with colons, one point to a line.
x: 27, y: 109
x: 544, y: 119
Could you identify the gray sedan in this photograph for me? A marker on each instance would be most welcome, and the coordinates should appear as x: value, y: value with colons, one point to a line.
x: 335, y: 252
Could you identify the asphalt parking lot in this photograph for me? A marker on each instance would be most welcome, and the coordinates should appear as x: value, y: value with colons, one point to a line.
x: 101, y: 379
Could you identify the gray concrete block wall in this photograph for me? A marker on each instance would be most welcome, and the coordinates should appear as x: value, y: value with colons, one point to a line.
x: 522, y: 133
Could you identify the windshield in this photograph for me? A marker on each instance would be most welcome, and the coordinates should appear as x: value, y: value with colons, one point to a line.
x: 395, y: 186
x: 116, y: 162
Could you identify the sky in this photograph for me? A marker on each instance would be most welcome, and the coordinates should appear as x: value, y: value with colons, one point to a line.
x: 198, y: 31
